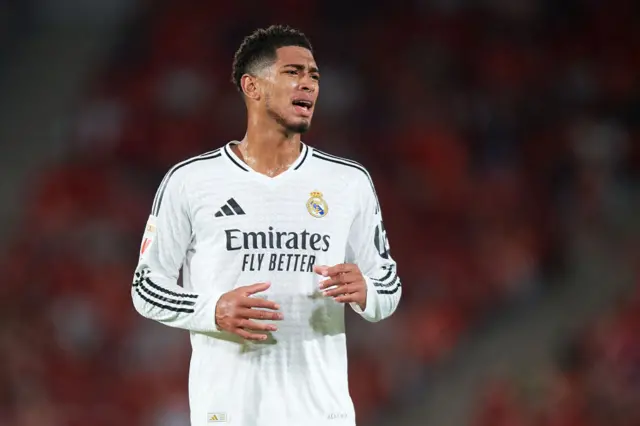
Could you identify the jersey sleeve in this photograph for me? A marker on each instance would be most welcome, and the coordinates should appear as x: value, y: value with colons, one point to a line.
x: 155, y: 292
x: 368, y: 247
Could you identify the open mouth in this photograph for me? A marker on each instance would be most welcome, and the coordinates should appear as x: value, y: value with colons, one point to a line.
x: 303, y: 104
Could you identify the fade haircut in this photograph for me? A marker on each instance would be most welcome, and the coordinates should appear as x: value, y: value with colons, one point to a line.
x: 259, y: 50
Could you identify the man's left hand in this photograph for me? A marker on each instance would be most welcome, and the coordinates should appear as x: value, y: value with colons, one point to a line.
x: 348, y: 281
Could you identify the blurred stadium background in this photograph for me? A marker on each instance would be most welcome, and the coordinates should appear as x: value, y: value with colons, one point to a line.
x: 504, y: 140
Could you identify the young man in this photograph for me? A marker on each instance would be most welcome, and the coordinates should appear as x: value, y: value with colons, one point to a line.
x: 273, y: 238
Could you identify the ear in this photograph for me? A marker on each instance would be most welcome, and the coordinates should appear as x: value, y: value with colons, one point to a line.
x: 250, y: 87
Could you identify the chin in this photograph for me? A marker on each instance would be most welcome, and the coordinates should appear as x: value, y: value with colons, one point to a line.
x: 299, y: 126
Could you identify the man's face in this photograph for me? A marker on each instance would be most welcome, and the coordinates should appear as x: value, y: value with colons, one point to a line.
x: 291, y: 89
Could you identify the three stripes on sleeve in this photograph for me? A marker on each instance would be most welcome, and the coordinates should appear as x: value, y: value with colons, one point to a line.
x: 152, y: 293
x: 388, y: 284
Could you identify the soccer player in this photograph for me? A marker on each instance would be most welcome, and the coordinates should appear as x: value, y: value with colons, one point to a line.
x: 274, y: 238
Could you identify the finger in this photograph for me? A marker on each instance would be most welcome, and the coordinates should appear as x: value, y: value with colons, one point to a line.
x: 354, y: 284
x: 258, y: 326
x: 249, y: 336
x: 330, y: 282
x: 338, y: 291
x: 255, y: 288
x: 340, y: 279
x: 349, y: 277
x: 259, y: 314
x: 257, y: 302
x: 321, y: 270
x: 340, y: 269
x: 348, y: 298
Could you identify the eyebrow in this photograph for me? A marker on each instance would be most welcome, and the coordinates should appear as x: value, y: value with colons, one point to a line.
x: 301, y: 67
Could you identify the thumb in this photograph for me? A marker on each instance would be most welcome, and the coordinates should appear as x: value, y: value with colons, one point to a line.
x: 256, y: 288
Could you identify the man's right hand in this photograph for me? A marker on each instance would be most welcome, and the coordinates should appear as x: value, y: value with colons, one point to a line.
x: 235, y: 312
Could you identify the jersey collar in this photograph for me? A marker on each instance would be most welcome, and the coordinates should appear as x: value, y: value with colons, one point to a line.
x: 238, y: 163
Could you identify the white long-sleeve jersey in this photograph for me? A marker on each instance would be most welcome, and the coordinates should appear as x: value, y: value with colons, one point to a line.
x: 226, y: 226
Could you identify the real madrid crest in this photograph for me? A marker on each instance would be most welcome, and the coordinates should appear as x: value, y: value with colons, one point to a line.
x: 317, y: 206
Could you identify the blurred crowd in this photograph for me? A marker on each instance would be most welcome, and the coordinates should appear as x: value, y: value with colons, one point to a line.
x: 495, y: 134
x: 595, y: 381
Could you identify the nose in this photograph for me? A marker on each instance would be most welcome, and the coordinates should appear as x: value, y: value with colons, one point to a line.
x: 307, y: 84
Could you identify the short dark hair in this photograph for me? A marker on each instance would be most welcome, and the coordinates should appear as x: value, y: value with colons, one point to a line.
x: 259, y: 48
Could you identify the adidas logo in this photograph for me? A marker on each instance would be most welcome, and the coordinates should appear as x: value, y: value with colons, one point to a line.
x: 230, y: 209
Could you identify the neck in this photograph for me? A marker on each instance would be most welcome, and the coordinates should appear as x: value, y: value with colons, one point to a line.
x: 268, y: 148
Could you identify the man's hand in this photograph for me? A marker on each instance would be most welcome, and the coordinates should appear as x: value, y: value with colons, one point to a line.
x: 234, y: 312
x: 349, y: 283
